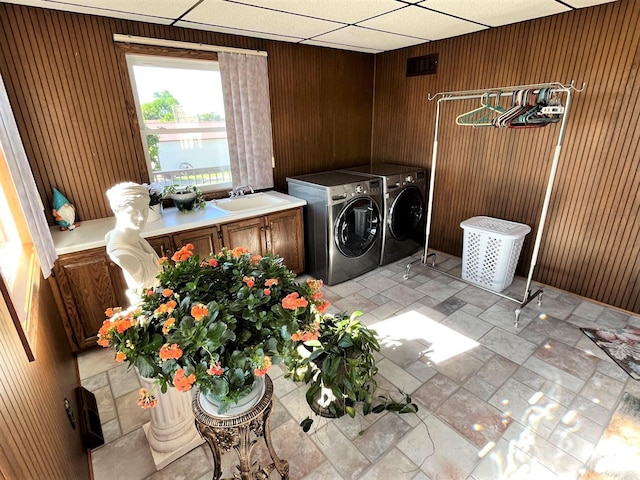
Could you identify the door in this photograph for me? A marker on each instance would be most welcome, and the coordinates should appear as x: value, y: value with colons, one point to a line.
x: 406, y: 214
x: 357, y: 227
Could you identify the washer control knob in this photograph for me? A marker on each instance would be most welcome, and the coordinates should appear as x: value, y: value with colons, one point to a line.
x: 409, y: 179
x: 358, y: 188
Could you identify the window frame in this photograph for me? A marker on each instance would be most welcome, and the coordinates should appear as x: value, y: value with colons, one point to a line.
x: 131, y: 97
x: 19, y: 279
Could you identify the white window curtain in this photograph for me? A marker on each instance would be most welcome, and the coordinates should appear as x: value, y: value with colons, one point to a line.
x: 245, y: 87
x: 22, y: 177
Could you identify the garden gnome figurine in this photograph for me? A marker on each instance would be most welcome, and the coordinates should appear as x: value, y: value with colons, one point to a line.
x: 132, y: 253
x: 64, y: 212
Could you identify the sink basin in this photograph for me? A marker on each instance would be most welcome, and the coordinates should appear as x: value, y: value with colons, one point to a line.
x: 248, y: 202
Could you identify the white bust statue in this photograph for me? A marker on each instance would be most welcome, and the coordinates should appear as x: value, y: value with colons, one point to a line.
x: 138, y: 260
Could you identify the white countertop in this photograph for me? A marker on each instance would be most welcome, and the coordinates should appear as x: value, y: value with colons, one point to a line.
x: 90, y: 234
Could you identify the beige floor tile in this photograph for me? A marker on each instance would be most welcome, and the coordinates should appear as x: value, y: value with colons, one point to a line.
x: 508, y: 345
x: 439, y: 450
x: 295, y: 446
x: 459, y: 368
x: 341, y: 452
x: 507, y: 461
x: 192, y: 465
x: 478, y: 421
x: 123, y: 380
x: 325, y: 471
x: 381, y: 435
x: 467, y: 325
x: 106, y: 404
x: 398, y: 376
x: 393, y: 465
x: 130, y: 414
x: 111, y: 430
x: 545, y: 452
x: 128, y: 457
x: 96, y: 361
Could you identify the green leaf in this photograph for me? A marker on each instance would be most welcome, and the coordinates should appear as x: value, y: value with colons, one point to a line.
x: 168, y: 366
x: 219, y: 387
x: 306, y: 424
x: 146, y: 367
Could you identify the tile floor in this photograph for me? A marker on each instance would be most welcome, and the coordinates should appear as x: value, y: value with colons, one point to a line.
x: 496, y: 402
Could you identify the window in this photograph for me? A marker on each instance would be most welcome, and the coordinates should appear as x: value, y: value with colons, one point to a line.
x: 19, y: 267
x: 181, y: 115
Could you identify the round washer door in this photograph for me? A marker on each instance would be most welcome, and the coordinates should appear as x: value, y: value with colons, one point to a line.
x: 405, y: 214
x: 357, y: 227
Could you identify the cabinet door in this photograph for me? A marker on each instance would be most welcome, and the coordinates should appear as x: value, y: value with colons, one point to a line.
x: 285, y: 238
x: 163, y: 245
x: 88, y: 283
x: 245, y: 233
x: 205, y: 240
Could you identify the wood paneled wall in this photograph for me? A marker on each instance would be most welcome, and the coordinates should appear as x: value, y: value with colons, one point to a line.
x: 36, y: 438
x: 591, y: 240
x: 68, y: 94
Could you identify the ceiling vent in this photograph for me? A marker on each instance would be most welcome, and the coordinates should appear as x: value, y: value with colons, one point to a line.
x: 426, y: 65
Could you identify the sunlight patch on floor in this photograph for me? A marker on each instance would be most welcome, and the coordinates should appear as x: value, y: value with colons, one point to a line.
x: 441, y: 342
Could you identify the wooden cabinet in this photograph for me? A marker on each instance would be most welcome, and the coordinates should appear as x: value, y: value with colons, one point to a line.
x: 280, y: 233
x: 205, y: 240
x: 245, y: 233
x: 163, y: 245
x: 285, y: 237
x: 85, y: 284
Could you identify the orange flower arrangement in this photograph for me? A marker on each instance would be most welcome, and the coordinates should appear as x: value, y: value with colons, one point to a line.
x: 216, y: 323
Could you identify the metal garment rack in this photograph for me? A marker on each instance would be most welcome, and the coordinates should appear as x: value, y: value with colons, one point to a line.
x: 555, y: 87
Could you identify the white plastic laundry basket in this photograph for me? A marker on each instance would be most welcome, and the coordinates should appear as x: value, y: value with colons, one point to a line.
x: 491, y: 249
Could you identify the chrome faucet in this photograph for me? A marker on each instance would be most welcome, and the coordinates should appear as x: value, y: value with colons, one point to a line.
x: 239, y: 191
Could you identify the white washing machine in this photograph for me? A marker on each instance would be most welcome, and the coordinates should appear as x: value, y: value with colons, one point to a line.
x: 404, y: 213
x: 343, y: 223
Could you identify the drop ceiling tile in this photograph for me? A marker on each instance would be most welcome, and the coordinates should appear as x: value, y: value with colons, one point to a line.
x: 586, y: 3
x: 337, y: 10
x: 236, y: 15
x: 238, y: 31
x: 156, y: 8
x: 497, y: 12
x: 340, y: 46
x: 422, y: 23
x: 367, y: 38
x: 66, y: 7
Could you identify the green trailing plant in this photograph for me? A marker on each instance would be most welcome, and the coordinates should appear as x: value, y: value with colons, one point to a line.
x: 339, y: 366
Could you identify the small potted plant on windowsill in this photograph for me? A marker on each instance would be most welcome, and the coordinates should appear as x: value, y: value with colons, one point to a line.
x: 185, y: 198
